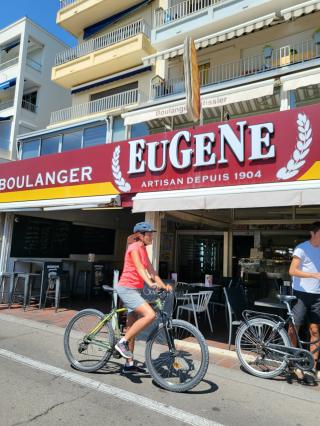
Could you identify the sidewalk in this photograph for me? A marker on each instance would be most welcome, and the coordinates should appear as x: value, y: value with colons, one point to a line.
x: 219, y: 353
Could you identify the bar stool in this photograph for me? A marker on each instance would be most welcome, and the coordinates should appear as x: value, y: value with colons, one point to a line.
x: 26, y: 278
x: 54, y: 289
x: 6, y: 280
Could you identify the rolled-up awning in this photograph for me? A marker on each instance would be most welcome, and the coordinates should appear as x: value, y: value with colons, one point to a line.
x: 168, y: 109
x: 238, y: 94
x: 209, y: 100
x: 300, y: 9
x: 233, y: 197
x: 9, y: 83
x: 219, y: 37
x: 63, y: 203
x: 301, y: 79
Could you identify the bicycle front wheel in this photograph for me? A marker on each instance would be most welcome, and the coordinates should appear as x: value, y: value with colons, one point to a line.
x: 185, y: 368
x: 88, y: 349
x: 254, y: 350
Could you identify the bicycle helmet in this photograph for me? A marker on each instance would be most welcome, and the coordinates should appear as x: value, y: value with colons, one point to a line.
x: 143, y: 227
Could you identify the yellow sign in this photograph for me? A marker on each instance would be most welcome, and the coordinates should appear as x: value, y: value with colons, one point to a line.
x: 192, y: 80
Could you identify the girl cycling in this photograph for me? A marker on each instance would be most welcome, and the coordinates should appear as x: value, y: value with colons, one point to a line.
x: 137, y: 271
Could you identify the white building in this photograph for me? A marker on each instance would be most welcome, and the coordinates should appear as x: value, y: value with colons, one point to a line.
x: 27, y: 94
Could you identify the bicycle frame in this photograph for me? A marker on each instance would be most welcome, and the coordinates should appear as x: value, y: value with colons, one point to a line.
x: 108, y: 317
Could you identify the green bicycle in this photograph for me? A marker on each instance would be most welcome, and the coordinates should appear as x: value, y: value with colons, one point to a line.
x: 176, y: 354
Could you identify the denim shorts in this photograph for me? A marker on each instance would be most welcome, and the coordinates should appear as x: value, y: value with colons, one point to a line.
x: 306, y: 308
x: 131, y: 297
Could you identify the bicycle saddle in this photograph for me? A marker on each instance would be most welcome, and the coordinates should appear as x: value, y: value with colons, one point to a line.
x: 286, y: 298
x: 106, y: 287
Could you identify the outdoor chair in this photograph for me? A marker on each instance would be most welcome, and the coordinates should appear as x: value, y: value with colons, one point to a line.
x: 197, y: 303
x: 236, y: 303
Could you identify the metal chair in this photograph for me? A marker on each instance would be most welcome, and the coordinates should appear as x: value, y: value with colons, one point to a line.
x: 236, y: 303
x: 26, y: 278
x: 198, y: 302
x: 6, y: 286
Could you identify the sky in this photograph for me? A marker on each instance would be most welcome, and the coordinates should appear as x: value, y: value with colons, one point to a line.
x: 43, y: 12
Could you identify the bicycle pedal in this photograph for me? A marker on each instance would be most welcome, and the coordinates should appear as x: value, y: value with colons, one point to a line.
x: 116, y: 355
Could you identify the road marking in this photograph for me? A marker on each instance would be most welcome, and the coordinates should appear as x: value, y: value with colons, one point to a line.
x: 144, y: 402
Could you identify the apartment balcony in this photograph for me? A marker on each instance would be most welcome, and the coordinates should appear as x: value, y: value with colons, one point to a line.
x: 75, y: 15
x: 102, y: 56
x: 10, y: 63
x: 99, y: 106
x: 301, y: 53
x: 6, y: 104
x: 199, y: 18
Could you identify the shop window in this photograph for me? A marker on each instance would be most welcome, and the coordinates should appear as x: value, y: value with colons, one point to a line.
x: 50, y: 145
x: 5, y: 130
x: 119, y: 130
x: 139, y: 130
x: 71, y: 141
x: 30, y: 149
x: 94, y: 136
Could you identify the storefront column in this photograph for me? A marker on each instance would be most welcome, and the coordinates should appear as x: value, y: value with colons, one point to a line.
x: 227, y: 254
x: 6, y: 241
x: 154, y: 251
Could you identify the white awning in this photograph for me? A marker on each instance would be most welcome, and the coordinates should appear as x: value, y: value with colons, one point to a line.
x: 246, y: 196
x: 169, y: 109
x: 238, y: 94
x: 300, y: 9
x: 237, y: 31
x: 63, y: 203
x: 301, y: 79
x: 210, y: 40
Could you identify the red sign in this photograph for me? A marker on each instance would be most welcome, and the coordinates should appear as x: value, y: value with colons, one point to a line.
x: 277, y: 147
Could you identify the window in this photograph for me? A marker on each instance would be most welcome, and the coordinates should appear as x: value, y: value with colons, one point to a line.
x: 5, y: 130
x: 139, y: 130
x: 29, y: 101
x: 114, y: 91
x: 204, y: 70
x: 30, y: 149
x: 94, y: 136
x: 72, y: 141
x: 119, y: 130
x: 50, y: 145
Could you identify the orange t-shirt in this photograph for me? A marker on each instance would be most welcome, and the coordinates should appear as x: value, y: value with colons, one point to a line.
x: 130, y: 277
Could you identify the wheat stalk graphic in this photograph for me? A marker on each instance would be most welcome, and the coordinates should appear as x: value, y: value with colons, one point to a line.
x: 302, y: 149
x: 118, y: 179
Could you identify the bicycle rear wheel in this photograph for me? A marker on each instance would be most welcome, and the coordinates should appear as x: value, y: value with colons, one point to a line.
x: 183, y: 370
x: 85, y: 351
x: 253, y: 350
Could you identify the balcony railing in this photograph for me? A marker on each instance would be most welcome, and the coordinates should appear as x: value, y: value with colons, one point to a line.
x: 6, y: 104
x: 167, y: 88
x: 9, y: 63
x: 300, y: 52
x: 29, y: 106
x: 179, y: 11
x: 64, y: 3
x: 95, y: 107
x: 103, y: 41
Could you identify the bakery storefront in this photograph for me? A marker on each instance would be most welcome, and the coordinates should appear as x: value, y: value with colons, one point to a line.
x: 228, y: 199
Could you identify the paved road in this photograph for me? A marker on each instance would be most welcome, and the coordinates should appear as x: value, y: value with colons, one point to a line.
x: 38, y: 387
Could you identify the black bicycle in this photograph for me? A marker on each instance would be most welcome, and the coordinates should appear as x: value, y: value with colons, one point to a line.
x: 177, y: 354
x: 264, y: 347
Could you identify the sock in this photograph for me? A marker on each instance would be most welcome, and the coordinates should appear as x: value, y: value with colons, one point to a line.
x: 129, y: 363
